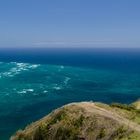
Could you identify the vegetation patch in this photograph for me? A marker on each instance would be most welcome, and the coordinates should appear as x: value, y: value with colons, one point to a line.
x: 101, y: 134
x: 79, y: 122
x: 85, y: 121
x: 124, y: 106
x: 61, y: 115
x: 66, y: 133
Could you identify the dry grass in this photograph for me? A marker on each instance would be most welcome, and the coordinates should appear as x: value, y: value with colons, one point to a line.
x: 82, y: 121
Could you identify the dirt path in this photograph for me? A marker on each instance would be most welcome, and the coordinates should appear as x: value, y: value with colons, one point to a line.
x: 92, y: 108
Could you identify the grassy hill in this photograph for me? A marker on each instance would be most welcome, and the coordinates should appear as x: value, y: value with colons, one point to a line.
x: 86, y: 121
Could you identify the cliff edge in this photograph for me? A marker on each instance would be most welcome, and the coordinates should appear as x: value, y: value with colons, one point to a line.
x: 86, y: 121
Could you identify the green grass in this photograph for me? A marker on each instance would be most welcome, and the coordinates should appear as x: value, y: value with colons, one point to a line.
x: 102, y: 133
x: 78, y: 122
x: 61, y: 115
x: 124, y: 106
x: 66, y: 133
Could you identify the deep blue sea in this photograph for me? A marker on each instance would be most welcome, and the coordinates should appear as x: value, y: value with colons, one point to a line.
x: 33, y: 82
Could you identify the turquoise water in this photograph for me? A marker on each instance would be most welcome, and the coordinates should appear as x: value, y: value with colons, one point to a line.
x: 30, y: 91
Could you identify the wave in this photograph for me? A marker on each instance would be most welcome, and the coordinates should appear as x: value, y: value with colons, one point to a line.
x: 17, y: 68
x: 45, y: 91
x: 57, y: 87
x: 24, y: 91
x: 61, y: 68
x: 66, y: 80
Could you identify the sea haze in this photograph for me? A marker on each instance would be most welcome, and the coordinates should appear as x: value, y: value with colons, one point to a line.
x: 35, y: 81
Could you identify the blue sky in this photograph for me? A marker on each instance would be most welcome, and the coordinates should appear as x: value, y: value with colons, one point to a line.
x: 95, y: 23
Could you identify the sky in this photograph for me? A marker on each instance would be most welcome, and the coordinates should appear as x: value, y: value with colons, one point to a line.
x: 70, y: 23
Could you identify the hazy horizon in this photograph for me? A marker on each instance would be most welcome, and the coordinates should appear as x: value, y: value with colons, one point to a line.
x: 80, y: 23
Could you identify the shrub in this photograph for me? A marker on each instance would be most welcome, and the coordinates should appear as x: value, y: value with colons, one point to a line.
x: 66, y: 133
x: 121, y: 131
x: 102, y: 134
x: 79, y: 121
x: 123, y: 106
x: 58, y: 117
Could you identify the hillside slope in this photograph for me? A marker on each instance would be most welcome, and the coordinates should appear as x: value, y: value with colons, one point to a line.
x: 86, y: 121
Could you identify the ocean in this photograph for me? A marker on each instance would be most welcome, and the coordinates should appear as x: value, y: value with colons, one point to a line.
x: 33, y: 82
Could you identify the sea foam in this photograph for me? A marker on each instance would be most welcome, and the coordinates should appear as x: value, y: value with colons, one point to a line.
x: 17, y: 68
